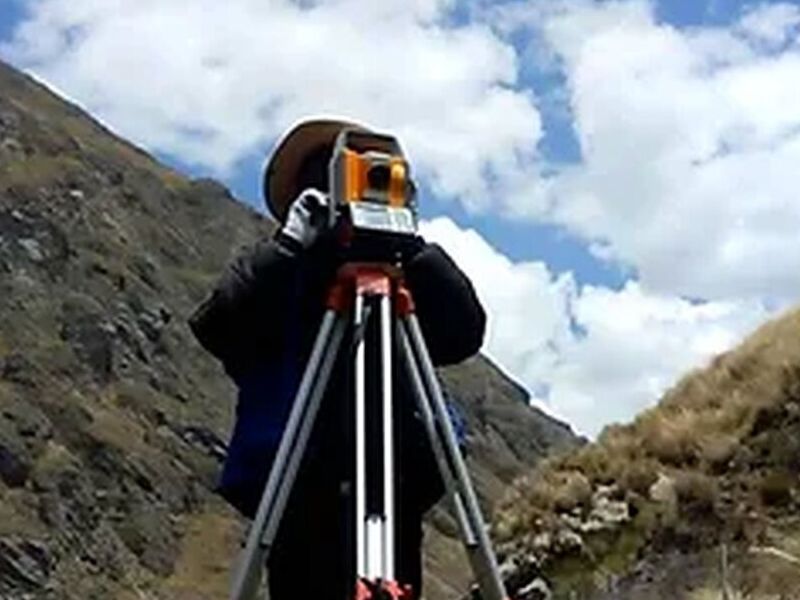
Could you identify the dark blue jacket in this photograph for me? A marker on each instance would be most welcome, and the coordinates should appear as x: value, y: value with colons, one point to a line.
x: 261, y: 320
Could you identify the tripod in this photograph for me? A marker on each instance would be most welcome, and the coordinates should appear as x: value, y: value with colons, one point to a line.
x: 360, y: 291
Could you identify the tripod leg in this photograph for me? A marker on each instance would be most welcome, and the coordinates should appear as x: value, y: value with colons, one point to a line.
x: 389, y: 522
x: 375, y: 524
x: 445, y: 469
x: 360, y: 316
x: 484, y: 561
x: 290, y: 453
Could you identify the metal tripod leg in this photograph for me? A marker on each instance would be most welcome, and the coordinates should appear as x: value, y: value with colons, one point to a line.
x: 375, y: 529
x: 452, y: 465
x: 290, y: 453
x: 428, y: 420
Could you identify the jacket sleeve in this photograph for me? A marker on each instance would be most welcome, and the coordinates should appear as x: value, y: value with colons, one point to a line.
x: 241, y: 318
x: 451, y: 317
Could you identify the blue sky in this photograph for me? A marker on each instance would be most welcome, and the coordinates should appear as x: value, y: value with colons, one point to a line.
x: 526, y: 241
x: 519, y: 241
x: 636, y: 251
x: 10, y: 15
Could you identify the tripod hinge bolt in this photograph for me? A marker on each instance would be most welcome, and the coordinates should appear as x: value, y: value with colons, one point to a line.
x: 373, y: 282
x: 405, y: 302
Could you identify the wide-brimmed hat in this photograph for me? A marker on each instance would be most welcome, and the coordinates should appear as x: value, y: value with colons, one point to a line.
x: 280, y: 185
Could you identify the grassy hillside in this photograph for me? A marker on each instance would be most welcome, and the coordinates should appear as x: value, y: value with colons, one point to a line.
x: 701, y: 488
x: 113, y: 421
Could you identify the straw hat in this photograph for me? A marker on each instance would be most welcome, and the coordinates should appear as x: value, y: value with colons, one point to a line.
x: 280, y: 186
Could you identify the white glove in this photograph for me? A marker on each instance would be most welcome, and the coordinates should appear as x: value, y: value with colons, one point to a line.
x: 307, y: 217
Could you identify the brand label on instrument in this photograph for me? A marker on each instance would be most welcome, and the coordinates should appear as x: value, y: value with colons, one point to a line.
x: 377, y: 217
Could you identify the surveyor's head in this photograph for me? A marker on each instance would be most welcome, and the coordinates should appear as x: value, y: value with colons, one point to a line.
x: 300, y: 161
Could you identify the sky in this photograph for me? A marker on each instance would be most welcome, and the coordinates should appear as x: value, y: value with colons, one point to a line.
x: 617, y: 178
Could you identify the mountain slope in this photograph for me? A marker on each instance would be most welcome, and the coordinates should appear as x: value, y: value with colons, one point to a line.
x: 113, y: 420
x: 702, y: 488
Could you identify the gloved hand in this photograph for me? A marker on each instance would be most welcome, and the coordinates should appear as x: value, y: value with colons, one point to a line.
x: 306, y: 219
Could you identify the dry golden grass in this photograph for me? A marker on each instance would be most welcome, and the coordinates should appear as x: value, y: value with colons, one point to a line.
x: 725, y: 426
x: 211, y: 543
x: 38, y: 170
x: 697, y: 492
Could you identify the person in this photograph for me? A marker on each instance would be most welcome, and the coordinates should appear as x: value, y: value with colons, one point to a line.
x: 261, y: 320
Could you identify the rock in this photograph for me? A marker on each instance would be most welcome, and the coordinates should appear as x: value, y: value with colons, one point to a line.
x: 116, y: 178
x: 567, y: 542
x: 24, y: 565
x: 572, y: 521
x: 606, y: 513
x: 32, y: 238
x: 27, y: 421
x: 90, y: 337
x: 14, y: 470
x: 11, y: 145
x: 535, y: 590
x: 520, y: 572
x: 130, y: 336
x: 663, y: 490
x: 542, y: 542
x: 16, y: 368
x: 24, y: 431
x: 147, y: 270
x: 152, y: 323
x: 204, y: 439
x: 32, y: 248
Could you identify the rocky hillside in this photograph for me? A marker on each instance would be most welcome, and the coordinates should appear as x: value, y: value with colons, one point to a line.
x: 112, y: 420
x: 697, y: 498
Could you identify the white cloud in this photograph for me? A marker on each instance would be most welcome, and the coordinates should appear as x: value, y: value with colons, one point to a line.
x: 636, y: 345
x: 525, y: 303
x: 690, y: 142
x: 772, y: 24
x: 217, y: 82
x: 595, y: 355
